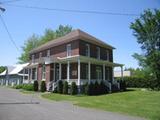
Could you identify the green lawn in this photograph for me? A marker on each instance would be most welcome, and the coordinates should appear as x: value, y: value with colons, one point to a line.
x: 137, y: 103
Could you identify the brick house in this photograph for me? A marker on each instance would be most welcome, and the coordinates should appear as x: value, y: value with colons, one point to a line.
x: 77, y: 57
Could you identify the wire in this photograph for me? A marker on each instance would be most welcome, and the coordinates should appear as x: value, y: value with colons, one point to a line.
x: 73, y: 11
x: 9, y: 1
x: 9, y: 34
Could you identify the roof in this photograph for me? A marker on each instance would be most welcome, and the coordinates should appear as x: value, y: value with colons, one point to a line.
x: 74, y: 35
x: 15, y: 69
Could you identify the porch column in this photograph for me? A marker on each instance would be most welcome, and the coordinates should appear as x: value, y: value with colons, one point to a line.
x: 89, y: 71
x: 68, y: 71
x: 60, y: 70
x: 122, y: 72
x: 104, y: 72
x: 79, y: 72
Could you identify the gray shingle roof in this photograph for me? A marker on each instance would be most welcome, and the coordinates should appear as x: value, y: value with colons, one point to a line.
x: 74, y: 35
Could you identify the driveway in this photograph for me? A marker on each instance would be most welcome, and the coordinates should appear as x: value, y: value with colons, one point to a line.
x: 17, y: 106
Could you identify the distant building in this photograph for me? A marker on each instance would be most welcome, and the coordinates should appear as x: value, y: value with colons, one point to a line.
x: 14, y: 75
x: 125, y: 73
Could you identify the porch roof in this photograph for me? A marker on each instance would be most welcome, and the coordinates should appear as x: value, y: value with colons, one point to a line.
x: 85, y: 59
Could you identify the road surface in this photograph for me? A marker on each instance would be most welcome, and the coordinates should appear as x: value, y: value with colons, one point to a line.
x: 15, y: 105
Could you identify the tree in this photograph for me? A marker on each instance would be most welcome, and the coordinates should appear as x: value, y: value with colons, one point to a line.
x: 147, y: 31
x: 31, y: 43
x: 2, y: 68
x: 35, y: 40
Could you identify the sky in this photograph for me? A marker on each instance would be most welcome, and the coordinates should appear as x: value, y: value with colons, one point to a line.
x: 112, y: 29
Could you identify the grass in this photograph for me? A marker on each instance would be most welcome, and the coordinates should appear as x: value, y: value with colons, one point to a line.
x: 26, y: 92
x: 137, y: 103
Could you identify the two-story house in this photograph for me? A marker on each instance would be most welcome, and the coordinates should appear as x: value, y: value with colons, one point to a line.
x: 77, y: 57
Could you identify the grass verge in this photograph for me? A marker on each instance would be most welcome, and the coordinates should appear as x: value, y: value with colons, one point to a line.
x: 134, y: 102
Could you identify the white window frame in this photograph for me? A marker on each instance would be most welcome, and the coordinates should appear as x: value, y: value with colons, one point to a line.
x: 99, y: 73
x: 48, y: 53
x: 40, y: 55
x: 87, y: 50
x: 69, y: 50
x: 32, y: 58
x: 98, y: 53
x: 35, y: 74
x: 107, y: 53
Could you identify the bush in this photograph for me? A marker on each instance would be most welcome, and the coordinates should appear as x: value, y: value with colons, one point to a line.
x: 18, y: 86
x: 28, y: 87
x: 96, y: 88
x: 35, y: 85
x: 74, y: 89
x: 43, y: 86
x: 103, y: 88
x: 60, y: 87
x: 137, y: 82
x: 122, y: 85
x: 89, y: 89
x: 65, y: 87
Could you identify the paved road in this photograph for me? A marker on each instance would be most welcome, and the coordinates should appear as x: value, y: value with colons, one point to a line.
x: 13, y: 107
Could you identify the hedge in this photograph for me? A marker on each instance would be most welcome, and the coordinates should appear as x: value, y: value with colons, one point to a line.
x: 28, y: 87
x: 65, y: 87
x: 43, y: 86
x: 74, y: 89
x: 60, y: 87
x: 35, y: 85
x: 137, y: 82
x: 96, y: 88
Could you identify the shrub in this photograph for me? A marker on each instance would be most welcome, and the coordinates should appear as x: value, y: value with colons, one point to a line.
x: 18, y: 86
x: 89, y: 89
x: 28, y: 87
x: 103, y: 88
x: 137, y: 82
x: 65, y: 87
x: 96, y: 89
x: 35, y: 85
x: 115, y: 88
x: 60, y: 87
x: 122, y: 85
x: 74, y: 89
x: 43, y: 86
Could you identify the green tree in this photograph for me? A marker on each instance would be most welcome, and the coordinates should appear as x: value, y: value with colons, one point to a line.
x: 2, y: 68
x: 147, y: 31
x: 31, y: 43
x: 35, y: 41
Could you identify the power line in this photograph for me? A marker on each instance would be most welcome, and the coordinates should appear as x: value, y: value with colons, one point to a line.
x: 73, y: 11
x: 9, y: 34
x: 9, y: 1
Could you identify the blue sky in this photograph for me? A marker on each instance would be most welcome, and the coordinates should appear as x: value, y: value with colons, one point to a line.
x: 114, y: 30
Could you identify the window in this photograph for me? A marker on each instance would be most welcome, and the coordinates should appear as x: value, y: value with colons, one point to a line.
x: 98, y: 73
x: 32, y: 58
x: 40, y: 55
x: 48, y: 53
x: 98, y: 53
x: 43, y: 72
x: 107, y: 55
x: 34, y: 73
x: 69, y: 50
x: 87, y: 71
x: 87, y: 50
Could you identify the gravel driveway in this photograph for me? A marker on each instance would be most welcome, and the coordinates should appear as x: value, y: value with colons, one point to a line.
x: 17, y: 106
